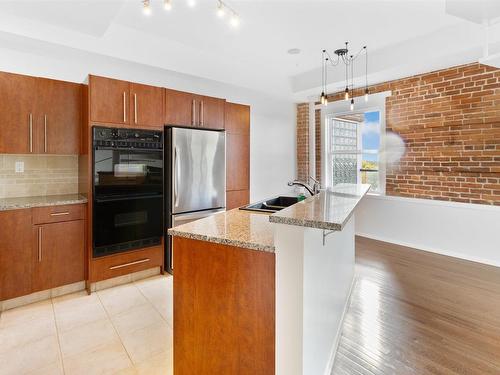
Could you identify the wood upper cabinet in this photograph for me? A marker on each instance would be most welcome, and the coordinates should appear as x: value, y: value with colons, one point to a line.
x: 17, y: 106
x: 39, y: 115
x: 186, y: 109
x: 58, y: 254
x: 58, y: 117
x: 15, y: 253
x: 109, y: 100
x: 210, y: 112
x: 237, y: 119
x: 146, y: 105
x: 180, y: 108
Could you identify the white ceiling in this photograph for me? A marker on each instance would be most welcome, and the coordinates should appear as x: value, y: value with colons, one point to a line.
x: 404, y: 37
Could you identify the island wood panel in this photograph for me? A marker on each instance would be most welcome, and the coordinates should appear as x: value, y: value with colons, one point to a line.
x: 146, y: 105
x: 224, y: 309
x: 17, y: 93
x: 15, y: 253
x: 109, y: 100
x: 58, y: 116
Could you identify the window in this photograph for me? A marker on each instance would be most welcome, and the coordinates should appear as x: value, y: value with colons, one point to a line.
x: 353, y: 144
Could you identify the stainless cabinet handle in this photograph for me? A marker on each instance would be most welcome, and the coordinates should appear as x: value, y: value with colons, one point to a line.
x: 202, y: 123
x: 31, y: 131
x: 193, y: 114
x: 45, y: 133
x: 124, y: 107
x: 135, y: 108
x: 39, y: 244
x: 59, y: 213
x: 130, y: 264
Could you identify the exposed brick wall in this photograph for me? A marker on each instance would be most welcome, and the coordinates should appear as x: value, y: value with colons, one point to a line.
x: 450, y: 123
x: 302, y: 136
x: 317, y: 144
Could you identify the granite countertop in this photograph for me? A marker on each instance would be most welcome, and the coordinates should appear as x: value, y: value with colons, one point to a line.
x: 327, y: 210
x: 236, y: 227
x: 330, y: 209
x: 42, y: 201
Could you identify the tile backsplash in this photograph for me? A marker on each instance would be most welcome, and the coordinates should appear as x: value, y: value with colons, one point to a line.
x: 43, y: 175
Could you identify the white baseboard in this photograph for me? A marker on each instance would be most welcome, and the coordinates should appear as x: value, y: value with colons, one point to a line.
x: 335, y: 346
x: 430, y: 249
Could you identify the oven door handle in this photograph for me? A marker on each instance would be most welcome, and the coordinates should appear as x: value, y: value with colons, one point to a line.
x: 127, y: 198
x: 176, y: 182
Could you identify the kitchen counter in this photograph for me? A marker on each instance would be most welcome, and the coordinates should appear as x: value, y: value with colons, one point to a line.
x: 291, y: 294
x: 234, y: 228
x: 41, y: 201
x: 330, y: 209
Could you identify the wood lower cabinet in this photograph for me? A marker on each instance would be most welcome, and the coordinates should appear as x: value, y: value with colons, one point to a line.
x: 237, y: 123
x: 17, y: 111
x: 41, y: 248
x: 109, y: 100
x: 15, y: 253
x: 59, y: 254
x: 58, y: 117
x: 107, y: 267
x: 146, y: 105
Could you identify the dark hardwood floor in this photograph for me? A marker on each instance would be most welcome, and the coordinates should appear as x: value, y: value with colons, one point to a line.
x: 414, y: 312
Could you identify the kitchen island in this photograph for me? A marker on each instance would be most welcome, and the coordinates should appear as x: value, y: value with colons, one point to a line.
x: 265, y: 294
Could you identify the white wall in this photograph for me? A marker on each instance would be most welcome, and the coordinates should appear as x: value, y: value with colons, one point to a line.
x: 272, y: 149
x: 467, y: 231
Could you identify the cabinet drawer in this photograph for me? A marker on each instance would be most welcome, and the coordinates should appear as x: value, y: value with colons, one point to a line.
x: 55, y: 214
x: 123, y: 264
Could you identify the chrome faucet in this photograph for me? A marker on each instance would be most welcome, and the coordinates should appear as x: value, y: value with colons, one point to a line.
x: 313, y: 190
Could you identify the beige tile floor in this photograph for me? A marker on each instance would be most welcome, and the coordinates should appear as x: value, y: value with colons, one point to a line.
x: 122, y: 330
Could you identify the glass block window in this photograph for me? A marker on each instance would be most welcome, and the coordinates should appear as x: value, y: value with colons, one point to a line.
x: 343, y: 146
x: 353, y: 147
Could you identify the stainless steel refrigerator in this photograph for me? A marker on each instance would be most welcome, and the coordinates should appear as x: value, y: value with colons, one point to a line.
x: 195, y: 178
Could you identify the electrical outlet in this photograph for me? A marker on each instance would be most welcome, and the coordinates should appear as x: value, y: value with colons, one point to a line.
x: 19, y: 166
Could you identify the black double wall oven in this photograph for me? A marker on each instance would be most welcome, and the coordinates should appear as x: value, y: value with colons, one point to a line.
x: 127, y: 189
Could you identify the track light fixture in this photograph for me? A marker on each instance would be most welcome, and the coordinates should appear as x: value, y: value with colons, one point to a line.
x: 342, y: 55
x: 146, y: 7
x: 222, y: 9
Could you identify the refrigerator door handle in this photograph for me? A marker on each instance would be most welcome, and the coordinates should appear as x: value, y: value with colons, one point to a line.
x: 176, y: 177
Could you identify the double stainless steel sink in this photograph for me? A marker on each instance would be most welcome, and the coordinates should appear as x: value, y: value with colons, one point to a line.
x: 271, y: 205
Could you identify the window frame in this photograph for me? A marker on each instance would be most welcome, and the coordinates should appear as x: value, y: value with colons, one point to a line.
x: 376, y: 102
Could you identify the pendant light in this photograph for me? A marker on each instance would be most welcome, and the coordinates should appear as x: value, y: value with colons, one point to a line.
x: 366, y: 74
x: 342, y: 55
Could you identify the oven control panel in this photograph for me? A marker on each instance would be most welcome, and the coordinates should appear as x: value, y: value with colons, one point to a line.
x: 127, y: 138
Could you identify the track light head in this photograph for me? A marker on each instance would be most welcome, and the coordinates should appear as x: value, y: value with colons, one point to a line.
x: 146, y: 7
